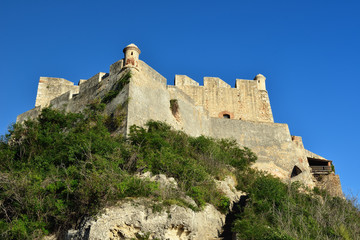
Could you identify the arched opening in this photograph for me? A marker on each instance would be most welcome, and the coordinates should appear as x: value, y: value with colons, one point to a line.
x: 296, y: 171
x: 131, y: 53
x: 226, y: 115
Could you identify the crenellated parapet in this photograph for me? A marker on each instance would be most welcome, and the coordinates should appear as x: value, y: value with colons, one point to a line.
x: 249, y: 99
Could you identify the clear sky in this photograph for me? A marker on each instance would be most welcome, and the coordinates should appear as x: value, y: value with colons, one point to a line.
x: 308, y: 50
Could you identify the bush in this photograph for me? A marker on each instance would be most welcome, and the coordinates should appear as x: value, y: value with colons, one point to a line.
x: 193, y: 162
x: 279, y: 211
x: 64, y: 166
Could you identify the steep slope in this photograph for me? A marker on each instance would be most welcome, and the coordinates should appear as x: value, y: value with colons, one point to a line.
x: 62, y: 170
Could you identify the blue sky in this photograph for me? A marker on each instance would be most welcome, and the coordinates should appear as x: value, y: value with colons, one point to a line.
x: 308, y: 50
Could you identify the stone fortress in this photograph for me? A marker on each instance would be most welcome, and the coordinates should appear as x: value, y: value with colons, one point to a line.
x: 214, y: 109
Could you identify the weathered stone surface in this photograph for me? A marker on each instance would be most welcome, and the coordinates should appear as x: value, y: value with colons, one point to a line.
x: 50, y: 88
x: 31, y: 114
x: 330, y: 183
x: 246, y: 101
x: 135, y: 217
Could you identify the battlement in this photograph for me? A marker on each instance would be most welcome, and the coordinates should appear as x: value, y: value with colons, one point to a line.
x: 247, y: 101
x: 183, y: 80
x: 215, y: 82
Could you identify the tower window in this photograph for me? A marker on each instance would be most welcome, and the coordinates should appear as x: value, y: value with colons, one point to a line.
x: 226, y: 116
x: 131, y: 53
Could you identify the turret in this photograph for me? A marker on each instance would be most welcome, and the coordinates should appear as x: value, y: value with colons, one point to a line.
x: 131, y: 53
x: 260, y: 79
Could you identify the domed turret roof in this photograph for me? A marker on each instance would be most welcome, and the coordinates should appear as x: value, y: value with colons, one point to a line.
x: 259, y: 77
x: 132, y: 46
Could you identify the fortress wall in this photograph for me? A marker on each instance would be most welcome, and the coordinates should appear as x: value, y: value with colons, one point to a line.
x: 183, y: 80
x: 150, y: 99
x: 91, y: 82
x: 151, y: 73
x: 312, y: 155
x: 115, y: 69
x: 31, y: 114
x: 271, y: 142
x: 215, y: 82
x: 95, y: 93
x: 255, y: 102
x: 192, y: 119
x: 265, y: 112
x: 50, y: 88
x: 62, y: 100
x: 244, y: 102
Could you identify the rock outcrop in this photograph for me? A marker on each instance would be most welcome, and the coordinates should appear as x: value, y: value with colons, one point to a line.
x: 137, y: 218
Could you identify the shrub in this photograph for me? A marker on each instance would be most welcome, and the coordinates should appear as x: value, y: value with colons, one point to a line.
x: 116, y: 89
x: 279, y: 211
x: 64, y: 166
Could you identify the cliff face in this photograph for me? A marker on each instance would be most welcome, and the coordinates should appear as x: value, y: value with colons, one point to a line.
x: 140, y: 218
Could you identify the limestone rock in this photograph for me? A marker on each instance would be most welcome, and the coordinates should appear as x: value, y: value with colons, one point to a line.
x: 134, y: 218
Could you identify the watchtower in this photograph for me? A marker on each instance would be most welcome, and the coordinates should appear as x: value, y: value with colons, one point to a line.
x: 131, y: 53
x: 260, y: 79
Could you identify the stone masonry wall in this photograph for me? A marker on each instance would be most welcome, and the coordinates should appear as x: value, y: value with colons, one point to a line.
x: 271, y: 142
x: 149, y: 99
x: 245, y: 102
x: 50, y: 88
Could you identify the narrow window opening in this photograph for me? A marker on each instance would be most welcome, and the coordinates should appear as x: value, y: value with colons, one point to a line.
x: 131, y: 53
x: 296, y: 171
x: 226, y: 116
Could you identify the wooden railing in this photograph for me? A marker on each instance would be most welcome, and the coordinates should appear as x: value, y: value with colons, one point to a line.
x: 321, y: 169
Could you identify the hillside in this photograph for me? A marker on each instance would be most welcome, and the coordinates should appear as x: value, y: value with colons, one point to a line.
x: 62, y: 168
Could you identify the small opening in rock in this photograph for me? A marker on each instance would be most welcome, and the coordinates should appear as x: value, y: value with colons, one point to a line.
x: 238, y: 209
x: 226, y: 116
x: 296, y: 171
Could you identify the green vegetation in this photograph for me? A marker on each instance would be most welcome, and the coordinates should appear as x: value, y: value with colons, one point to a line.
x: 64, y: 166
x: 174, y: 106
x: 56, y: 170
x: 116, y: 89
x: 275, y: 210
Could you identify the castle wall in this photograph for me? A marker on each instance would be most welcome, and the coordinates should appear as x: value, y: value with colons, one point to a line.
x: 245, y: 102
x: 50, y: 88
x: 93, y: 81
x: 151, y: 73
x: 149, y: 98
x: 31, y: 114
x: 272, y: 144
